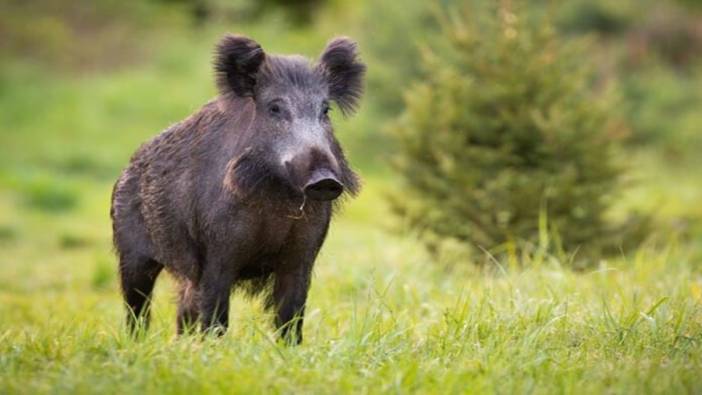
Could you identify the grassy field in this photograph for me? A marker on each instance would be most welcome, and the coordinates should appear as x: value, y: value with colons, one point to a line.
x: 382, y: 317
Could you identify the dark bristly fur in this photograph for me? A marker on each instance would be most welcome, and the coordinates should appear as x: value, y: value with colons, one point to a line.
x: 230, y: 197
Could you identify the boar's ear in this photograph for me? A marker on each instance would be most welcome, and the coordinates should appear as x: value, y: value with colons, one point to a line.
x: 344, y: 72
x: 236, y: 63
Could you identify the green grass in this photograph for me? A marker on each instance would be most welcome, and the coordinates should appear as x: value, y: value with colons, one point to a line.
x: 381, y: 319
x: 381, y: 316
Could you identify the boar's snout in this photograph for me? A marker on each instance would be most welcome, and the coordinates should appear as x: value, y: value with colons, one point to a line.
x: 314, y: 171
x: 323, y: 185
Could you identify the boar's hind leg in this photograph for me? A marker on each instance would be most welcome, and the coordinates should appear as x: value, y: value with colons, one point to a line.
x: 289, y: 297
x: 138, y: 276
x: 188, y: 308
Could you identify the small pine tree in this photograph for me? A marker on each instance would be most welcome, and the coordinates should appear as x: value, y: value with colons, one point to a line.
x: 502, y: 135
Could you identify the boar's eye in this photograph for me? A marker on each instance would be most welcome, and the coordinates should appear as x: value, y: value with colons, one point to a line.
x: 274, y: 109
x: 325, y: 109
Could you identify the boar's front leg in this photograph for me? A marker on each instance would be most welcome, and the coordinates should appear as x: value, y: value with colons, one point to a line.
x: 215, y: 288
x: 293, y: 274
x: 292, y: 281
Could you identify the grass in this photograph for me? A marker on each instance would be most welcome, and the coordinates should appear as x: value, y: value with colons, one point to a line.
x: 381, y: 316
x: 381, y: 319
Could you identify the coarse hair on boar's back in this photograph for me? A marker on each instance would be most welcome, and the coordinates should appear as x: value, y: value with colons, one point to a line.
x: 241, y: 193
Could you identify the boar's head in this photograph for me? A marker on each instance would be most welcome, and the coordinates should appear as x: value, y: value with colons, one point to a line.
x: 290, y: 142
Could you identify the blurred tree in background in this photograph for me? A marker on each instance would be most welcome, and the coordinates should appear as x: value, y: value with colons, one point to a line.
x: 503, y: 135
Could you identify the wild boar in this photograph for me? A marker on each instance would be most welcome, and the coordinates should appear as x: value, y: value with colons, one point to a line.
x: 241, y: 193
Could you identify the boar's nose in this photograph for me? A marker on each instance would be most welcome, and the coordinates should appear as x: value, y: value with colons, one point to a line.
x: 323, y: 185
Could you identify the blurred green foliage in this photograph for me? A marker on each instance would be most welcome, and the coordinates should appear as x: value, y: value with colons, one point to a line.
x: 604, y: 17
x: 639, y: 45
x: 7, y: 234
x: 103, y: 274
x: 664, y: 110
x: 394, y: 32
x: 86, y: 82
x: 301, y: 12
x: 79, y: 36
x: 297, y: 12
x: 47, y: 193
x: 503, y: 134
